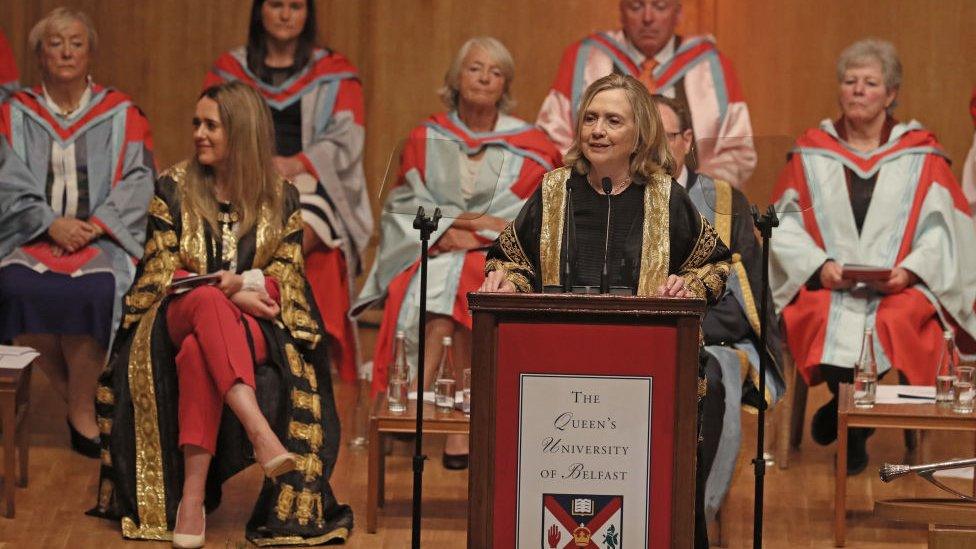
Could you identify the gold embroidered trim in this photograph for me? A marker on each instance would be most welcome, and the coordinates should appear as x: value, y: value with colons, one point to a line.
x: 286, y: 499
x: 551, y: 233
x: 150, y: 490
x: 131, y: 531
x: 309, y: 432
x: 295, y: 362
x: 193, y: 243
x: 305, y: 506
x: 512, y: 247
x: 104, y: 425
x: 310, y: 465
x: 105, y: 491
x: 158, y: 208
x: 176, y: 172
x: 287, y: 266
x: 704, y: 246
x: 338, y: 533
x: 307, y: 401
x: 656, y: 235
x: 752, y: 313
x: 106, y: 457
x: 723, y: 211
x: 266, y: 237
x: 104, y: 395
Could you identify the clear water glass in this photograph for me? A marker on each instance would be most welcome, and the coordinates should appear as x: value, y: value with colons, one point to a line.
x: 466, y: 391
x: 396, y: 394
x: 444, y: 394
x: 963, y: 390
x: 865, y: 389
x: 943, y: 388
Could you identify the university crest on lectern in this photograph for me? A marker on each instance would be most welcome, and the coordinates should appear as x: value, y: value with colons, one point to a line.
x: 572, y: 521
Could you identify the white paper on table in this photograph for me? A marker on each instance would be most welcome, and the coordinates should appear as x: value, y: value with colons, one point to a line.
x: 888, y: 394
x: 16, y: 358
x: 429, y: 396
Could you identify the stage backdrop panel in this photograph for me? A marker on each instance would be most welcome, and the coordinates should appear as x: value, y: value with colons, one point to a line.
x: 784, y: 52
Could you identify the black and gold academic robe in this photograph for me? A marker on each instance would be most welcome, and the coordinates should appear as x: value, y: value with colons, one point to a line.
x: 142, y: 467
x: 663, y: 235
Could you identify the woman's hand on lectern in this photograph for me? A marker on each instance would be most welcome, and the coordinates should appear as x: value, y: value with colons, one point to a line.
x: 497, y: 281
x: 674, y: 286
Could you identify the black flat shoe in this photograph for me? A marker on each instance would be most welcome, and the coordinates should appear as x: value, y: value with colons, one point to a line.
x: 88, y: 447
x: 455, y: 462
x: 823, y: 427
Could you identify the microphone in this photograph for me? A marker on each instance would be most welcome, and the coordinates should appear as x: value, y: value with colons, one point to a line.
x: 568, y: 222
x: 604, y: 276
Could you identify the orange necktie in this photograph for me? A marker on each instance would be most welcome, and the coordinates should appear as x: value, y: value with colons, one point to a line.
x: 647, y: 74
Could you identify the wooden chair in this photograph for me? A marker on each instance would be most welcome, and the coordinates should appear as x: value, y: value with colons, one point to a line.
x: 14, y: 405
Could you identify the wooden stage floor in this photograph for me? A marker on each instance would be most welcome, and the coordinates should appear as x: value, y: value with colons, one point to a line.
x: 799, y: 500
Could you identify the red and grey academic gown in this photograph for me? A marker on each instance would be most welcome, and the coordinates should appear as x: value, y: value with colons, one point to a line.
x: 335, y: 202
x: 103, y: 151
x: 691, y: 66
x: 917, y: 219
x: 8, y: 69
x: 969, y: 167
x: 516, y: 157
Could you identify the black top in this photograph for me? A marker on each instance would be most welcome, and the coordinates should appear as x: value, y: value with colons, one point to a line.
x: 590, y: 215
x: 287, y: 121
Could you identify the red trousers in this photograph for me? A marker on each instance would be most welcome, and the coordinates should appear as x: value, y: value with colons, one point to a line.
x: 214, y: 355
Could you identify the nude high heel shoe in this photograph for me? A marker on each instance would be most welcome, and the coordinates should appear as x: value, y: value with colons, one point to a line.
x: 189, y: 541
x: 279, y: 465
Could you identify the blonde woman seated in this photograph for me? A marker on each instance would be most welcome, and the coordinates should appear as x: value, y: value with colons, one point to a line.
x: 477, y: 162
x: 250, y: 341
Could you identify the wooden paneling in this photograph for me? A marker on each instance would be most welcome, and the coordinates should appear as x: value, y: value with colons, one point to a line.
x: 784, y: 52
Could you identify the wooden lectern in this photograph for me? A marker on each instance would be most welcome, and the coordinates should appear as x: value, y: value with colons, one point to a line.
x: 583, y: 421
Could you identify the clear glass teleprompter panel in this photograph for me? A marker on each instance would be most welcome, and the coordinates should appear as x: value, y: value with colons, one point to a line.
x: 460, y: 179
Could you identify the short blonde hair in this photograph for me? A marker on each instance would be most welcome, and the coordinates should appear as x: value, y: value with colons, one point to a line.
x: 56, y: 20
x: 651, y: 153
x: 450, y: 91
x: 865, y: 51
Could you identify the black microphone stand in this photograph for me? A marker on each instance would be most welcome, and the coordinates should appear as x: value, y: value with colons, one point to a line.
x: 426, y: 225
x: 765, y: 224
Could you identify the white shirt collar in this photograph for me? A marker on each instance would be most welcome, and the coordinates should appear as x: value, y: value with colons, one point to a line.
x: 82, y: 102
x: 667, y: 52
x: 682, y: 178
x: 663, y: 56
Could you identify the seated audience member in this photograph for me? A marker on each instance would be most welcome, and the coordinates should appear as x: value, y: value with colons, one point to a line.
x: 477, y: 162
x: 677, y: 253
x: 866, y: 189
x: 689, y: 69
x: 249, y: 341
x: 8, y: 69
x: 731, y: 327
x: 316, y: 101
x: 76, y: 176
x: 969, y: 167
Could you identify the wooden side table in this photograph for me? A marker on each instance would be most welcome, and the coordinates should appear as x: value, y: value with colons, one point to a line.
x: 381, y: 422
x: 897, y: 416
x: 14, y: 404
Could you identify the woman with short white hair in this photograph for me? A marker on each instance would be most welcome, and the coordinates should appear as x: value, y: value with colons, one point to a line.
x: 875, y: 192
x: 76, y: 176
x: 478, y: 165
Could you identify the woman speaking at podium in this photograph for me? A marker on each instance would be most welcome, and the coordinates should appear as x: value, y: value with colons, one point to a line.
x: 613, y: 218
x: 624, y: 205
